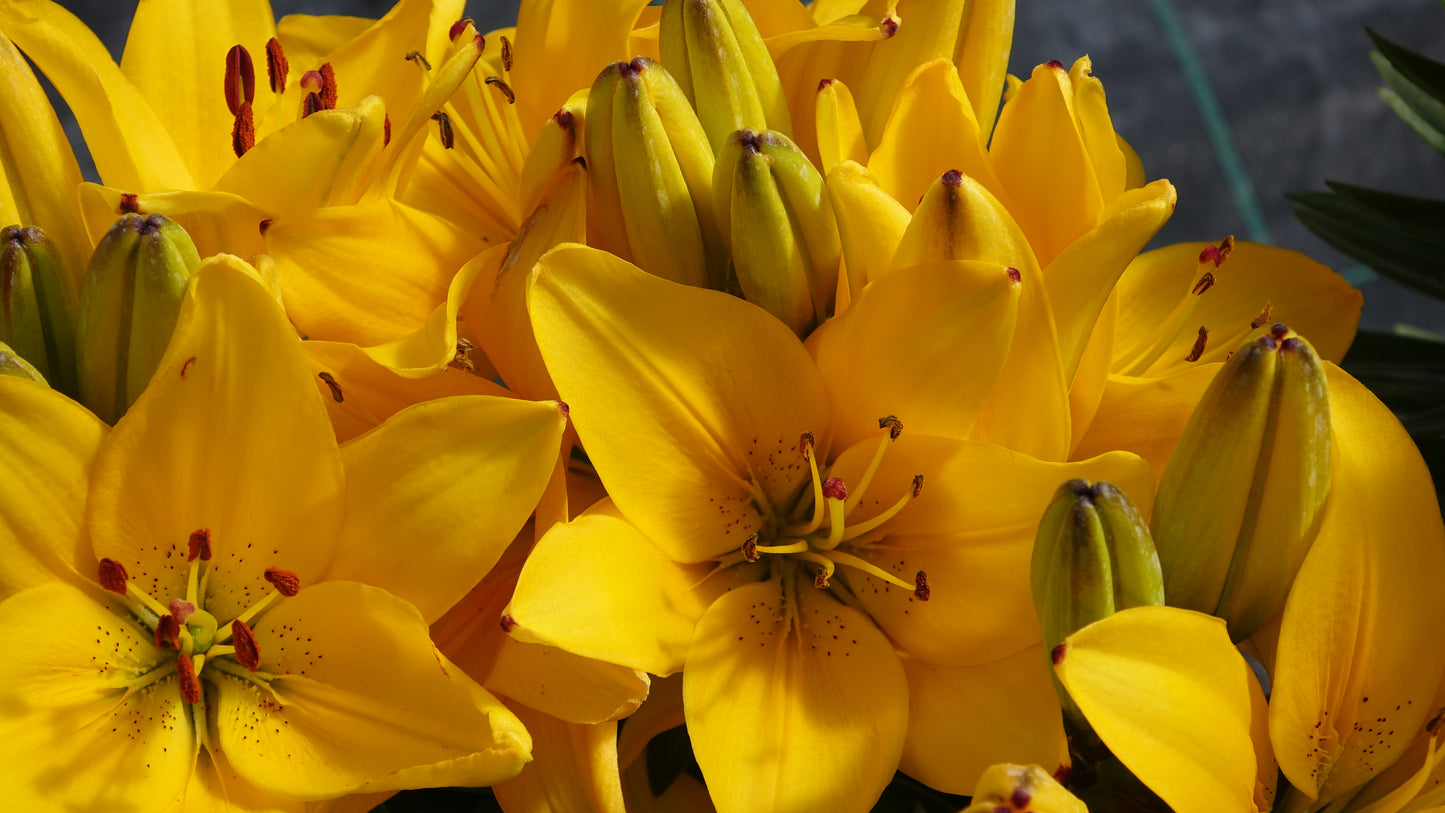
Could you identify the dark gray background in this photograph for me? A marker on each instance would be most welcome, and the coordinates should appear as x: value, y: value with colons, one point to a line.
x: 1291, y: 79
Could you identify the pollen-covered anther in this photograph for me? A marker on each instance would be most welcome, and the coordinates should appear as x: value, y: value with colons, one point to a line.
x: 805, y: 445
x: 168, y: 632
x: 328, y: 86
x: 921, y: 590
x: 496, y: 82
x: 199, y: 545
x: 190, y: 684
x: 248, y: 654
x: 1263, y: 318
x: 181, y: 610
x: 113, y: 576
x: 276, y: 65
x: 419, y: 58
x: 835, y: 489
x: 286, y: 583
x: 917, y: 484
x: 240, y: 82
x: 506, y: 54
x: 1217, y: 254
x: 458, y: 27
x: 820, y: 580
x: 1199, y: 343
x: 385, y: 129
x: 1205, y: 283
x: 243, y: 132
x: 893, y: 425
x: 750, y: 548
x: 444, y: 127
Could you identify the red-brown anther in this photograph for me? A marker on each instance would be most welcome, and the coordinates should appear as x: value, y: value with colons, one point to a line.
x: 240, y: 78
x: 508, y: 622
x: 248, y: 654
x: 889, y: 26
x: 820, y: 580
x: 113, y: 576
x: 506, y: 89
x: 286, y: 583
x: 182, y: 609
x: 168, y: 633
x: 1055, y: 64
x: 444, y: 126
x: 1058, y: 653
x: 1014, y: 276
x: 892, y: 424
x: 129, y: 203
x: 458, y: 27
x: 1205, y: 283
x: 243, y: 132
x: 506, y: 54
x: 921, y: 590
x: 750, y: 548
x: 328, y: 87
x: 385, y: 129
x: 917, y: 484
x: 835, y: 489
x: 199, y: 545
x: 805, y: 445
x: 1020, y: 798
x: 1263, y: 318
x: 1199, y: 342
x: 311, y: 104
x: 276, y: 65
x: 190, y: 684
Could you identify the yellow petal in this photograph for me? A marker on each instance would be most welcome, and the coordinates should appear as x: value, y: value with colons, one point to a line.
x: 366, y: 704
x: 215, y: 788
x: 932, y: 129
x: 217, y: 222
x: 840, y: 133
x: 925, y: 345
x: 971, y: 529
x: 564, y: 686
x: 230, y: 436
x: 175, y: 56
x: 963, y: 719
x: 1412, y: 783
x: 925, y: 32
x: 69, y: 657
x: 308, y: 38
x: 433, y: 346
x: 637, y: 609
x: 1145, y: 415
x: 1000, y: 785
x: 678, y: 394
x: 574, y: 767
x: 1169, y: 695
x: 982, y: 56
x: 47, y: 446
x: 1087, y: 389
x: 661, y: 712
x: 1096, y: 129
x: 128, y: 141
x: 793, y: 706
x: 374, y: 61
x: 435, y: 494
x: 870, y: 222
x: 1358, y: 660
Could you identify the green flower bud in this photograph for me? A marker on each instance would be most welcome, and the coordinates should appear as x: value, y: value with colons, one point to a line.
x: 777, y: 222
x: 650, y: 193
x: 1240, y: 500
x: 13, y: 365
x: 714, y: 51
x: 128, y: 308
x: 34, y: 316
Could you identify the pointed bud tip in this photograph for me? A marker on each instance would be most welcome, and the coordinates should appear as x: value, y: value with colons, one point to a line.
x: 1015, y: 276
x: 952, y: 178
x: 1058, y: 653
x: 508, y: 622
x: 825, y: 83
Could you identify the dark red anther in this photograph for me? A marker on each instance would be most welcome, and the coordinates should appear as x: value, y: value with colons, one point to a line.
x: 248, y: 654
x: 1014, y: 276
x: 168, y: 633
x: 190, y: 684
x: 129, y: 203
x: 506, y: 89
x: 1263, y: 318
x: 1020, y: 798
x: 458, y: 27
x: 952, y: 178
x: 888, y: 27
x: 113, y: 576
x: 311, y: 104
x: 199, y: 545
x: 820, y: 580
x: 892, y: 424
x: 444, y: 126
x: 506, y: 54
x: 835, y: 489
x: 286, y: 583
x: 921, y: 590
x: 328, y: 87
x: 1199, y: 342
x: 805, y: 444
x: 243, y: 132
x: 1205, y: 283
x: 750, y: 548
x: 240, y: 78
x: 917, y: 484
x: 1055, y: 64
x: 276, y: 65
x: 330, y: 381
x: 825, y: 83
x: 750, y: 140
x: 385, y: 129
x: 1058, y: 653
x: 508, y: 622
x: 182, y: 609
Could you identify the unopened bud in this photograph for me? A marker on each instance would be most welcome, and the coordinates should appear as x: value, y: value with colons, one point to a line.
x: 714, y: 51
x: 778, y: 225
x: 12, y: 364
x: 128, y: 309
x: 34, y: 318
x: 1022, y: 789
x: 1240, y: 500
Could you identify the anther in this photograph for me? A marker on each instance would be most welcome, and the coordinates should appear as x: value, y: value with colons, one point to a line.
x: 750, y: 548
x: 820, y: 581
x: 1058, y: 652
x: 181, y: 610
x: 247, y: 653
x: 419, y: 58
x: 168, y: 633
x: 199, y: 545
x: 917, y: 484
x: 805, y: 445
x: 311, y: 104
x: 893, y: 425
x: 385, y: 129
x: 506, y: 55
x: 264, y: 226
x: 444, y: 126
x: 286, y: 583
x: 328, y: 86
x: 506, y: 90
x: 564, y: 119
x: 336, y: 394
x: 1205, y: 283
x: 276, y: 65
x: 1199, y: 342
x: 1263, y: 318
x: 458, y: 27
x: 240, y: 78
x: 113, y: 576
x: 835, y: 489
x: 190, y: 684
x: 243, y: 132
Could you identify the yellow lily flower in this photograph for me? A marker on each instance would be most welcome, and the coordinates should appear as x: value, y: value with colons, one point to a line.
x: 231, y: 650
x: 779, y: 557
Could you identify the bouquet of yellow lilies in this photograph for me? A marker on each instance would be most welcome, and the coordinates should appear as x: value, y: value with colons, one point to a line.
x: 723, y: 405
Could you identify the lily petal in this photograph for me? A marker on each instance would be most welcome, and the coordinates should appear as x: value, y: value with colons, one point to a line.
x: 1145, y: 415
x: 215, y: 788
x: 230, y: 436
x: 410, y: 25
x: 964, y: 719
x: 649, y: 369
x: 574, y: 768
x: 366, y: 704
x: 47, y: 446
x: 72, y: 735
x: 870, y: 222
x: 1167, y: 692
x: 217, y: 222
x: 772, y: 692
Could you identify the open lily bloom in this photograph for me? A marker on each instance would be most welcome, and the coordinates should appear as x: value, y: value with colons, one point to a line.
x: 212, y: 601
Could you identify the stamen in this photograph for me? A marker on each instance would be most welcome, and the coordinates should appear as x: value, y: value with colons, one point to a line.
x: 330, y: 381
x: 190, y: 684
x: 243, y: 132
x: 1198, y: 349
x: 444, y: 125
x: 240, y: 83
x: 311, y: 104
x: 419, y: 58
x: 796, y: 546
x: 506, y: 55
x: 328, y: 86
x: 820, y: 580
x: 506, y: 89
x: 276, y: 65
x: 1263, y: 318
x: 750, y: 548
x: 862, y: 528
x: 199, y: 545
x: 168, y: 633
x: 248, y: 654
x: 312, y: 82
x: 385, y: 129
x: 837, y: 509
x: 805, y: 446
x: 921, y: 590
x: 849, y: 560
x: 895, y: 428
x: 113, y: 576
x: 1205, y: 283
x: 286, y: 583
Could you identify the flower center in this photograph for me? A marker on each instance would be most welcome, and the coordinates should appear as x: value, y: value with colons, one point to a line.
x: 1180, y: 319
x: 195, y: 635
x: 818, y: 526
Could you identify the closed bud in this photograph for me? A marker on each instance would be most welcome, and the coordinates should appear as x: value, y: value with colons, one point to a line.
x: 12, y: 364
x: 777, y: 222
x: 128, y: 309
x: 650, y: 191
x: 1240, y: 500
x: 34, y: 317
x: 1022, y: 789
x: 714, y: 51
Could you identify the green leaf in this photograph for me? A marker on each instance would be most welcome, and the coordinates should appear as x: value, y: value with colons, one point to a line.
x: 1392, y: 253
x: 1419, y: 217
x: 1422, y: 128
x: 1420, y: 70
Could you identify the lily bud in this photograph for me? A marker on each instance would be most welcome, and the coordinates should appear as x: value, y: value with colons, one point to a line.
x: 1239, y: 502
x: 34, y: 319
x: 651, y: 187
x: 128, y: 308
x: 778, y: 225
x: 12, y: 364
x: 1022, y: 789
x: 714, y: 51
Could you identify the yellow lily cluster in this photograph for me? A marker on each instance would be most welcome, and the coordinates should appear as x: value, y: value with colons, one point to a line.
x: 436, y: 408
